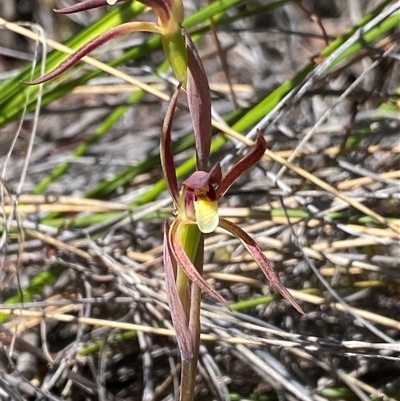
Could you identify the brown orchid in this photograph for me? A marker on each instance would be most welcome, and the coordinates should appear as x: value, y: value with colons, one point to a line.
x: 197, y: 204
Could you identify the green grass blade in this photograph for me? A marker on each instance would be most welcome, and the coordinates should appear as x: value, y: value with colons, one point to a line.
x: 14, y: 92
x: 35, y: 287
x: 272, y: 100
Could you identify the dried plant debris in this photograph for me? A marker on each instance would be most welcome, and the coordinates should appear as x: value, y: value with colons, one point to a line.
x: 84, y: 312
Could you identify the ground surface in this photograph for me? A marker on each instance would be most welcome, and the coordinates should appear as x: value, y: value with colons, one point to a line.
x: 90, y: 268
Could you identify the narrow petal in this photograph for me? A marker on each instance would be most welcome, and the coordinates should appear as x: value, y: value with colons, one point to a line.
x: 85, y: 5
x: 242, y: 165
x: 94, y: 44
x: 178, y: 316
x: 216, y: 174
x: 261, y: 260
x: 188, y: 267
x: 166, y: 155
x: 199, y: 99
x: 207, y: 217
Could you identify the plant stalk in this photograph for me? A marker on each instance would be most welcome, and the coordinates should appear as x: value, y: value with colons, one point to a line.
x: 193, y: 244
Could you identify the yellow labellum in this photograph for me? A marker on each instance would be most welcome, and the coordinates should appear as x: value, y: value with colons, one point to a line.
x: 206, y: 215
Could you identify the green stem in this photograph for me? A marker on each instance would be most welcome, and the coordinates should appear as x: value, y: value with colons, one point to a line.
x: 189, y: 238
x: 193, y: 243
x: 182, y: 282
x: 188, y: 379
x: 188, y: 387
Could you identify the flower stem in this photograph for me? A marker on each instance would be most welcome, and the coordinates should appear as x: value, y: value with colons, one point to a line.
x: 193, y: 244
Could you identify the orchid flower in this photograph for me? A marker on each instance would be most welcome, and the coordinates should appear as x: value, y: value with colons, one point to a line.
x: 196, y: 204
x: 170, y: 15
